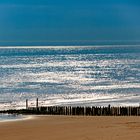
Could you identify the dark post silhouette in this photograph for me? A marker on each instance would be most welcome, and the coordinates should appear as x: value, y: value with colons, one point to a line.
x: 26, y: 103
x: 37, y: 103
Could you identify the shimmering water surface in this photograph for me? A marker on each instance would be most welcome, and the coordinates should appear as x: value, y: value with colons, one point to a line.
x: 87, y: 75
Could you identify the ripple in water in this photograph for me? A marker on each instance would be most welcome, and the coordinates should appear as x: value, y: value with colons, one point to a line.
x: 70, y: 76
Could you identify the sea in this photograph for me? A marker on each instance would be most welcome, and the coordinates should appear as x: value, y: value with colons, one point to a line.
x: 10, y: 117
x: 70, y: 75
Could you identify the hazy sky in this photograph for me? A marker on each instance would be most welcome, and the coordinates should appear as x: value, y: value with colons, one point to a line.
x: 68, y: 20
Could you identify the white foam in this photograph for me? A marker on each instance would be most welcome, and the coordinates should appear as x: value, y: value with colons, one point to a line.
x: 21, y: 118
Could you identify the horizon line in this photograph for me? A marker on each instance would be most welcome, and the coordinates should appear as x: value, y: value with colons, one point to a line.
x: 63, y: 46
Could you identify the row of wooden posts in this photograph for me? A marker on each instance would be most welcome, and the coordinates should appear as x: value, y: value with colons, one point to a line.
x: 84, y: 111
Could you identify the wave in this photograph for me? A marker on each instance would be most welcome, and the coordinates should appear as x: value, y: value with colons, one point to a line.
x: 78, y: 100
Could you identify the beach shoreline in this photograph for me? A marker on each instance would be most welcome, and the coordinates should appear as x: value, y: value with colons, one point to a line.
x: 44, y: 127
x: 21, y: 118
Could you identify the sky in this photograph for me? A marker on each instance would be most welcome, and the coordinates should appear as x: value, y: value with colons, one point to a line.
x: 26, y: 22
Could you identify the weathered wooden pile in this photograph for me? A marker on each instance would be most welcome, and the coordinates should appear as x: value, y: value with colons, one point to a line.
x: 83, y: 111
x: 88, y: 111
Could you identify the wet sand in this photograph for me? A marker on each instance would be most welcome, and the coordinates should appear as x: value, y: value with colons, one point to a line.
x: 72, y: 128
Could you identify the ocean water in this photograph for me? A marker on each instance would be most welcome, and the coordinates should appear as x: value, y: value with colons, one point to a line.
x: 70, y: 75
x: 10, y: 117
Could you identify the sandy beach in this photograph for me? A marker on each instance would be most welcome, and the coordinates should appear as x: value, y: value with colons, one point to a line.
x: 72, y: 128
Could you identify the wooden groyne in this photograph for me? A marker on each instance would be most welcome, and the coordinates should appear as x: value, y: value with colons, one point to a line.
x: 79, y: 111
x: 88, y: 111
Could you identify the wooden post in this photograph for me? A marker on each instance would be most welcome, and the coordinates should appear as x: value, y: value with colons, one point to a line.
x: 137, y: 111
x: 26, y: 103
x: 37, y: 103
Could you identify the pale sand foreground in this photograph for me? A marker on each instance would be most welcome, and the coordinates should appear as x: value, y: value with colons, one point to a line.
x: 72, y: 128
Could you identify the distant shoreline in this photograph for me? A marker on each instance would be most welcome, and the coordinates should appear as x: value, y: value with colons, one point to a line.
x: 15, y: 118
